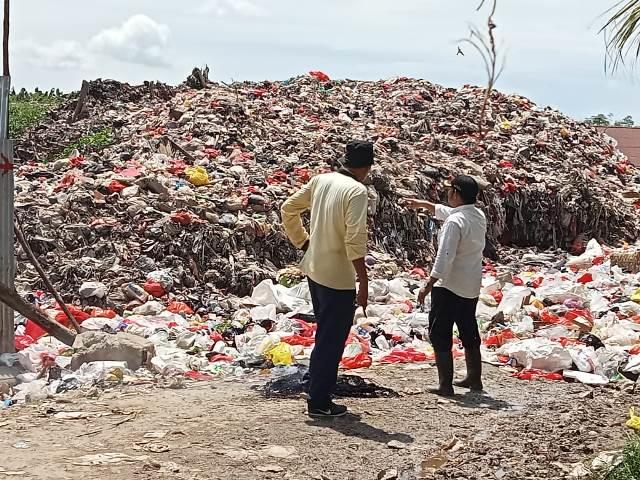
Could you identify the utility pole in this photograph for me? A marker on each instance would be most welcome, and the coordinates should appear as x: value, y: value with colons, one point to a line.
x: 7, y: 261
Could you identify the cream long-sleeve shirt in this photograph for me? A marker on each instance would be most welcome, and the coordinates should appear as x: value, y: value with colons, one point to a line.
x: 338, y: 228
x: 458, y: 264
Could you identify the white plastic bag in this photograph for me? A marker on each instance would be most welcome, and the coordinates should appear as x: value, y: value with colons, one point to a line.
x: 513, y: 299
x: 538, y: 353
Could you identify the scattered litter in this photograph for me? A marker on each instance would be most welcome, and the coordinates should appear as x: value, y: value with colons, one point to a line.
x: 270, y: 468
x: 106, y: 459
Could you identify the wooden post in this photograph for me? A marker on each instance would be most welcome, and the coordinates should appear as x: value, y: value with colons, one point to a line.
x: 9, y: 297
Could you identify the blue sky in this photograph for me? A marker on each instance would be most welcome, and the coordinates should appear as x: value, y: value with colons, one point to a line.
x: 553, y: 52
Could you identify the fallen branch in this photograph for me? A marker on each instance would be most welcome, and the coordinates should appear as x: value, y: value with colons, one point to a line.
x: 10, y: 297
x: 34, y: 261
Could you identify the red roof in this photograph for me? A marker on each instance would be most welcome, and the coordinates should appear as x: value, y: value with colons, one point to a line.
x: 628, y: 139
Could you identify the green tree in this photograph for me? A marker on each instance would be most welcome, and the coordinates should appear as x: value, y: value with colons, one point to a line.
x: 625, y: 122
x: 600, y: 120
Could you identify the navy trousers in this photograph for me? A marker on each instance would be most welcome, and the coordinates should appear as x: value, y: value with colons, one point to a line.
x: 334, y: 310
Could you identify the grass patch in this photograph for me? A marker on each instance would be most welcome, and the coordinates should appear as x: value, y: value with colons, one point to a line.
x: 26, y: 109
x: 629, y: 468
x: 93, y: 142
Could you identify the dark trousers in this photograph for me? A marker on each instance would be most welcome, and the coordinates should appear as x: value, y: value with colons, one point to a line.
x: 448, y: 309
x: 334, y: 310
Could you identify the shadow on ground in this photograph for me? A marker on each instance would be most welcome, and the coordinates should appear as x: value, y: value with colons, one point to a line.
x: 351, y: 425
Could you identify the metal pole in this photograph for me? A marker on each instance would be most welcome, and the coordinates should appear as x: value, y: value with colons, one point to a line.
x: 7, y: 262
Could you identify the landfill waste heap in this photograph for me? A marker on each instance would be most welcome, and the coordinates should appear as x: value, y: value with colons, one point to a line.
x: 161, y: 223
x: 190, y: 181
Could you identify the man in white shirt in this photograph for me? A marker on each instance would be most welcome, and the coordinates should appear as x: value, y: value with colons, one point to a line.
x: 455, y: 282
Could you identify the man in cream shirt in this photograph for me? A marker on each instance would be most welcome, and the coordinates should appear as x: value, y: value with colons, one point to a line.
x: 335, y: 247
x: 455, y: 282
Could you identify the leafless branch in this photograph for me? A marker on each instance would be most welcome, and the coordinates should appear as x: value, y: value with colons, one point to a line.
x: 485, y: 45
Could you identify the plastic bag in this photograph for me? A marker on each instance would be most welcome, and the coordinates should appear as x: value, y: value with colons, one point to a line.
x: 534, y: 374
x: 512, y: 300
x: 197, y: 176
x: 538, y: 354
x: 93, y: 289
x: 21, y: 342
x: 634, y: 420
x: 406, y: 355
x: 586, y: 378
x: 280, y: 355
x: 180, y: 307
x: 320, y: 76
x: 295, y: 340
x: 356, y: 353
x: 155, y: 289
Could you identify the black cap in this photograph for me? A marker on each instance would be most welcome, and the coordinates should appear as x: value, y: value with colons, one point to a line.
x: 466, y: 186
x: 359, y: 154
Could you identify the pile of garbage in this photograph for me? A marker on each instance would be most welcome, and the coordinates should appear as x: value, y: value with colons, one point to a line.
x: 181, y: 188
x: 572, y: 318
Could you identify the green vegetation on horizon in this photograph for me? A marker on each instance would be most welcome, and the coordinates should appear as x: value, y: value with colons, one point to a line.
x: 27, y: 109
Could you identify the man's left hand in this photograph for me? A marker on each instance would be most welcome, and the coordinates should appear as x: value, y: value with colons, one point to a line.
x: 426, y: 290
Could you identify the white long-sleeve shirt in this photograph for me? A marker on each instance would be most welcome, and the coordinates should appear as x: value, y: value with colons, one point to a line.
x: 458, y: 264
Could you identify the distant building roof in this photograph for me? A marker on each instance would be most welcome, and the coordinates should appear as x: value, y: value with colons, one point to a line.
x: 628, y: 139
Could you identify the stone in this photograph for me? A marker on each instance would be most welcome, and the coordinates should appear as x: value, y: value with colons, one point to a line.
x: 122, y: 347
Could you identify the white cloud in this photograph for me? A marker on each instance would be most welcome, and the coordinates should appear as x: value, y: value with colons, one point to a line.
x: 139, y: 40
x: 245, y: 8
x: 59, y: 55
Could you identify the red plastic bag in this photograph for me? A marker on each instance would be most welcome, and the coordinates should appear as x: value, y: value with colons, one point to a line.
x: 221, y: 358
x: 212, y: 153
x: 362, y: 360
x: 178, y: 167
x: 154, y: 289
x: 100, y: 313
x: 115, y: 186
x: 497, y: 295
x: 296, y: 339
x: 635, y: 350
x: 180, y: 307
x: 307, y: 329
x: 533, y: 374
x: 33, y: 331
x: 77, y: 313
x: 499, y: 339
x: 506, y: 164
x: 407, y: 355
x: 320, y: 76
x: 201, y: 377
x: 216, y: 337
x: 419, y: 272
x: 183, y: 218
x: 20, y: 342
x: 586, y: 278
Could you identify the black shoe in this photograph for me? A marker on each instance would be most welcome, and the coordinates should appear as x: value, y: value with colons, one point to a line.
x: 443, y: 392
x: 330, y: 411
x: 473, y: 380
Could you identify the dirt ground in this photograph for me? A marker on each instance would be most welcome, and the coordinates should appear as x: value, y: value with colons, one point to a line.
x: 224, y: 429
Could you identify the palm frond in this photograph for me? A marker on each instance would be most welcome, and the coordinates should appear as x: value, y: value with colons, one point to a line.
x: 622, y: 33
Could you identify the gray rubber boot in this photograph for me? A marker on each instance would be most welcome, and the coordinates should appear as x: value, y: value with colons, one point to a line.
x: 444, y: 363
x: 473, y: 380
